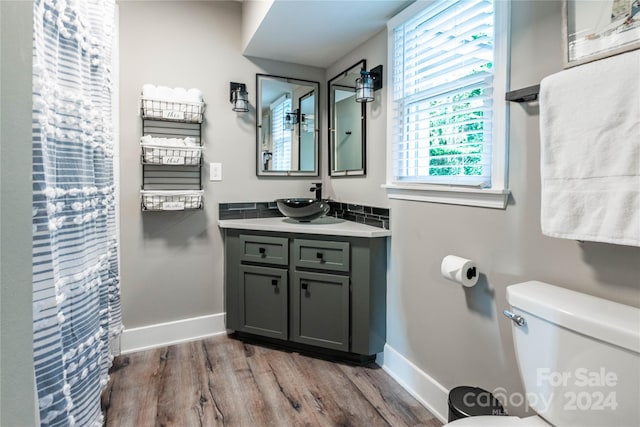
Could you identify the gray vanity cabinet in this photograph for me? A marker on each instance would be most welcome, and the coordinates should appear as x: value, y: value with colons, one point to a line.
x: 328, y: 292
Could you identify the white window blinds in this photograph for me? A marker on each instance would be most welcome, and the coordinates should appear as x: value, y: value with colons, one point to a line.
x: 442, y: 61
x: 281, y: 136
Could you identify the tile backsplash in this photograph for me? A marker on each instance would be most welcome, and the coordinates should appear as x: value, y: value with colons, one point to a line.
x: 248, y: 210
x: 376, y: 217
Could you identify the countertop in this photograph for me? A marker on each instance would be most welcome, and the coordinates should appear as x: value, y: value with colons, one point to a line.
x: 328, y: 226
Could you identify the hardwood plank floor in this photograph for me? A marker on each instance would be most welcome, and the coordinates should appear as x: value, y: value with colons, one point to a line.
x: 222, y: 381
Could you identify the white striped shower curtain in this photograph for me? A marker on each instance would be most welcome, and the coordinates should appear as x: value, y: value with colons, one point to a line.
x: 76, y: 290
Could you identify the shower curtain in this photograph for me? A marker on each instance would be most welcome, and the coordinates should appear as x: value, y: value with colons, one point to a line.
x: 76, y: 290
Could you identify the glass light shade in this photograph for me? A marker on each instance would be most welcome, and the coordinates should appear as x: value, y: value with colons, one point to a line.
x: 364, y: 87
x: 288, y: 121
x: 240, y: 101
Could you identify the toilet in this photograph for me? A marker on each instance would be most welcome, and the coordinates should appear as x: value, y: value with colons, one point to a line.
x: 578, y: 357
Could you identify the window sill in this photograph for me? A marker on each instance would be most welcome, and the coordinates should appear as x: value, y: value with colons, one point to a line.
x: 453, y: 195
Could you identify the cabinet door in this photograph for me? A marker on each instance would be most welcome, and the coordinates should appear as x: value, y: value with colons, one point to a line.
x: 320, y: 305
x: 263, y: 301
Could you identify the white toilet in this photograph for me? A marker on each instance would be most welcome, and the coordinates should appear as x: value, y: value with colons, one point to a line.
x: 578, y: 357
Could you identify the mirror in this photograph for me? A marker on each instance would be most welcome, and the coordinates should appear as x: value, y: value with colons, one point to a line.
x: 286, y: 126
x: 347, y: 124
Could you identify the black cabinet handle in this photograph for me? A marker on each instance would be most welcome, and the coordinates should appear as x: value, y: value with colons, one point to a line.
x: 262, y: 251
x: 304, y: 286
x: 274, y: 282
x: 319, y: 255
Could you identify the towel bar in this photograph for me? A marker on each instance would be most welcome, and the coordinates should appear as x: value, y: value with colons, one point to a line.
x: 526, y: 94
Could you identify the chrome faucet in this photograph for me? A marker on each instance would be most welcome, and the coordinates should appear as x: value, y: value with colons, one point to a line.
x: 317, y: 187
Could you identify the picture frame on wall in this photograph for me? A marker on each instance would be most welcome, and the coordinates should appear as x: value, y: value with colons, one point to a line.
x: 596, y: 29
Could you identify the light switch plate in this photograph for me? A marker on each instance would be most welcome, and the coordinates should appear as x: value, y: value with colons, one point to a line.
x: 215, y: 171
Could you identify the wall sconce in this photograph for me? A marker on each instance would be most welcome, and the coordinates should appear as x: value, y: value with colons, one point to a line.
x: 368, y: 83
x: 292, y: 118
x: 238, y: 96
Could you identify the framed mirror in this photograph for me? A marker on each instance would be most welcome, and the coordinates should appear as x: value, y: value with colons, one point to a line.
x: 594, y: 30
x: 347, y: 124
x: 286, y: 126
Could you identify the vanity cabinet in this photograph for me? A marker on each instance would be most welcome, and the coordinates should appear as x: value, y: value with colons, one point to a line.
x: 307, y: 291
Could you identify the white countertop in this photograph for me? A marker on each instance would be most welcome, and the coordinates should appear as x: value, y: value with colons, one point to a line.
x: 328, y: 226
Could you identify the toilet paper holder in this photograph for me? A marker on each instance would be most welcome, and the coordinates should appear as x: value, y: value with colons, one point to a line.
x: 471, y: 273
x: 459, y: 270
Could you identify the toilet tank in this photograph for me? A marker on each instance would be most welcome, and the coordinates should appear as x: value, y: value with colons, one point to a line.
x: 578, y: 356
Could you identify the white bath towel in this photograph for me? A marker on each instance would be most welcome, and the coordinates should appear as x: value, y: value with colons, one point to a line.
x: 590, y: 154
x: 194, y: 95
x: 166, y: 93
x: 149, y: 91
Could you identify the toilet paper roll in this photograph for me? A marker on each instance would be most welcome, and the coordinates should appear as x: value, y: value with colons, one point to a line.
x: 459, y: 270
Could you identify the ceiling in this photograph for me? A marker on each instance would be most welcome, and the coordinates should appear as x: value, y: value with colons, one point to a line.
x: 319, y: 32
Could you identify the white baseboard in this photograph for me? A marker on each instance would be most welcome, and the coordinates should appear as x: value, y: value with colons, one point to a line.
x: 430, y: 393
x: 163, y: 334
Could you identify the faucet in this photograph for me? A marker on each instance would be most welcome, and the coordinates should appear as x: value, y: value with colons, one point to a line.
x: 317, y: 187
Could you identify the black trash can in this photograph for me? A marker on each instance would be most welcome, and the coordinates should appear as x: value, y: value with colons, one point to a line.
x: 465, y: 401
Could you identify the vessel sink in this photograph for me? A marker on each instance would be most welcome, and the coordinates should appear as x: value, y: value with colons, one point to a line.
x: 303, y: 209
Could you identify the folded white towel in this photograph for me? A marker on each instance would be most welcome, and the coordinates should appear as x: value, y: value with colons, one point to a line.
x: 165, y: 93
x: 169, y: 142
x: 590, y: 164
x: 194, y: 95
x: 180, y: 94
x: 149, y: 91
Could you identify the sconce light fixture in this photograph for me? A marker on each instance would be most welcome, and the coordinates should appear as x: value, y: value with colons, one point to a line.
x: 368, y: 83
x: 292, y: 118
x: 239, y: 97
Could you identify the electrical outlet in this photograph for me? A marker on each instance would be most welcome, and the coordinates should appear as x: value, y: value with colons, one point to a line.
x: 215, y: 171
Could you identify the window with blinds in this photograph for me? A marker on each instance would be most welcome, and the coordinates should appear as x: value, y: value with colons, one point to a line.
x: 442, y: 61
x: 282, y: 137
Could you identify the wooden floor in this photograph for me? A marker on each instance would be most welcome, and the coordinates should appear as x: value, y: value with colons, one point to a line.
x: 223, y: 382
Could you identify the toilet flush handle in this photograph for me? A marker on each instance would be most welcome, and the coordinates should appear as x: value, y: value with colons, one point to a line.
x: 520, y: 321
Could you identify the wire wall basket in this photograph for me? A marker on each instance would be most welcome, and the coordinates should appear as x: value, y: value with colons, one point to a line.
x: 153, y: 154
x: 167, y: 200
x: 179, y: 111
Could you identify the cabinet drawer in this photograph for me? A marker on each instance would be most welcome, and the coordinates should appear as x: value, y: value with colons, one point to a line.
x: 264, y: 249
x: 321, y: 254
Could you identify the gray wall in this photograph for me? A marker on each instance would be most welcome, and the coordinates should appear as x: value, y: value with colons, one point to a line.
x: 17, y: 383
x: 458, y: 336
x: 172, y: 263
x: 365, y: 189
